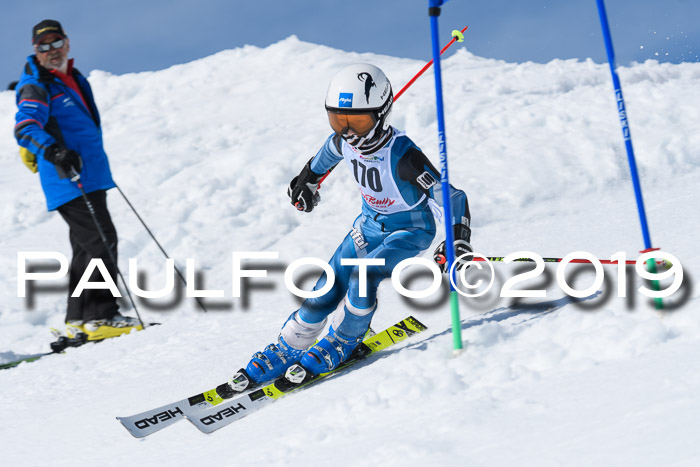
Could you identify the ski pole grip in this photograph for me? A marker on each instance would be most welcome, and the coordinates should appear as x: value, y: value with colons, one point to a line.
x: 74, y: 175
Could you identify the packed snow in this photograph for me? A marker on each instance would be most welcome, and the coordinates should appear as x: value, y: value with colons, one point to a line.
x: 205, y: 151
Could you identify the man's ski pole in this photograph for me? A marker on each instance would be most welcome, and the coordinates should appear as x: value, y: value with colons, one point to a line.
x: 457, y: 36
x: 182, y: 278
x: 628, y: 142
x: 76, y: 178
x: 434, y: 12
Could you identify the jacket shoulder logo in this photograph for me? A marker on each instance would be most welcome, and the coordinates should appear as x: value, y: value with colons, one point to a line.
x: 426, y: 180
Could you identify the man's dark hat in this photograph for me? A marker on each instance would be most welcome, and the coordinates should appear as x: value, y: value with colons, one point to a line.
x: 48, y: 26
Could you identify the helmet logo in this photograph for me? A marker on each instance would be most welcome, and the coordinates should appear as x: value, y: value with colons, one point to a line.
x: 345, y: 99
x: 369, y: 82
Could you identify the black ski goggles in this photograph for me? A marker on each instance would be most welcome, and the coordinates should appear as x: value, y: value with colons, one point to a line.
x: 360, y: 123
x: 57, y: 44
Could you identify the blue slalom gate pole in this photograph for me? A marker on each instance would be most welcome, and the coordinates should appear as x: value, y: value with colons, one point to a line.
x: 627, y: 137
x: 434, y: 12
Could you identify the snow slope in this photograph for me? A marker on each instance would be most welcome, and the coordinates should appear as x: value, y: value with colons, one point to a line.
x: 205, y: 150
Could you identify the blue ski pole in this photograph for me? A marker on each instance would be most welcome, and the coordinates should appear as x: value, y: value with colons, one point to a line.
x: 628, y: 141
x: 434, y: 12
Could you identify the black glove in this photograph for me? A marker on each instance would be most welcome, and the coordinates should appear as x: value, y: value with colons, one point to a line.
x: 303, y: 189
x: 66, y: 161
x: 462, y: 233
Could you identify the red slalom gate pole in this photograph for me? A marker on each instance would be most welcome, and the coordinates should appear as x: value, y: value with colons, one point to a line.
x: 455, y: 38
x: 555, y: 260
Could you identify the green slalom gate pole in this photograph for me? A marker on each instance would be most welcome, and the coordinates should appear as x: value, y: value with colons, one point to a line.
x: 434, y: 12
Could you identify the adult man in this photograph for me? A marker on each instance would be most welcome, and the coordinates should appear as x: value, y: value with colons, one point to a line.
x: 58, y: 130
x: 399, y: 188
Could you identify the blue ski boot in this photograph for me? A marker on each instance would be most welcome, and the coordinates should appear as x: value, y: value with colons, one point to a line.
x: 346, y: 332
x: 329, y: 352
x: 273, y: 361
x: 294, y: 339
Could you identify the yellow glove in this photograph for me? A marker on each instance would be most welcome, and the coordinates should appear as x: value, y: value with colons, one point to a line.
x: 28, y: 158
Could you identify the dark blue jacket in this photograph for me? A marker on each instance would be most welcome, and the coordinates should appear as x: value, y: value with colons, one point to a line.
x: 51, y: 112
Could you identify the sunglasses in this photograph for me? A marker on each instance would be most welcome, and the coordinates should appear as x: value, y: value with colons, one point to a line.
x: 57, y: 44
x: 361, y: 124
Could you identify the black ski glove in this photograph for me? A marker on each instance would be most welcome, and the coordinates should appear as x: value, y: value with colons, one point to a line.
x: 66, y: 160
x: 303, y: 189
x: 462, y: 233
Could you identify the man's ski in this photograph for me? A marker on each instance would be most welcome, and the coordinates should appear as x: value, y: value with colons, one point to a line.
x: 30, y: 358
x: 240, y: 406
x: 58, y: 346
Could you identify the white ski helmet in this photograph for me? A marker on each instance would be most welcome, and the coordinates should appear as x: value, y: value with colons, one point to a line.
x: 358, y: 103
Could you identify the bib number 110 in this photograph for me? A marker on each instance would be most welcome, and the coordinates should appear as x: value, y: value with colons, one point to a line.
x: 367, y: 176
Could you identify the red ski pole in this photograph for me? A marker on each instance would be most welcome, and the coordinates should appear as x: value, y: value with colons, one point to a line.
x: 441, y: 260
x: 457, y: 36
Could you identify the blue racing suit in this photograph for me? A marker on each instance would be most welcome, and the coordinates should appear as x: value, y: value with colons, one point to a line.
x: 398, y: 185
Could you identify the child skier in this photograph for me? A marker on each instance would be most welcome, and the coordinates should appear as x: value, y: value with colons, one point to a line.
x: 398, y: 186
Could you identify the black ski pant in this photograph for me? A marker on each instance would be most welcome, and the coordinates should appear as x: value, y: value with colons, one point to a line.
x: 87, y: 244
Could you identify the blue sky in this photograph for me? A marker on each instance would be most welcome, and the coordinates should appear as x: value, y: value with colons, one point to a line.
x: 123, y: 36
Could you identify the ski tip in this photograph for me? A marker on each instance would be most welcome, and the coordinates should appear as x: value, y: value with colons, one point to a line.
x: 134, y: 433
